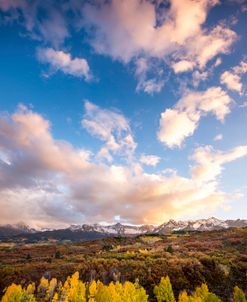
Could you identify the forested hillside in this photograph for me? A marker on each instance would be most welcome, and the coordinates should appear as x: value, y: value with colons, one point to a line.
x: 216, y: 258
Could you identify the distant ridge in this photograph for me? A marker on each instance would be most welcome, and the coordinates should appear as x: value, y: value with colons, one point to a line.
x: 95, y: 231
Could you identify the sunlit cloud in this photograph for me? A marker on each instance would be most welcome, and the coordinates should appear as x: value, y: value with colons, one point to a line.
x: 59, y: 60
x: 110, y: 127
x: 209, y: 162
x: 51, y: 182
x: 233, y: 78
x: 180, y: 122
x: 149, y: 160
x: 128, y: 31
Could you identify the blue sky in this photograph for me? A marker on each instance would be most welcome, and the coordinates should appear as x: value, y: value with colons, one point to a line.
x: 122, y: 109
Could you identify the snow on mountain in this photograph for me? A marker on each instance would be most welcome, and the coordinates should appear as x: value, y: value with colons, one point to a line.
x: 15, y: 229
x: 115, y: 229
x: 209, y: 224
x: 199, y: 225
x: 122, y: 229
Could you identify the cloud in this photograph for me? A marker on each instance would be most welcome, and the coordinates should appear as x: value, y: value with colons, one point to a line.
x: 182, y: 120
x: 218, y: 137
x: 149, y: 160
x: 209, y: 162
x: 198, y: 76
x: 112, y: 128
x: 50, y: 182
x: 232, y: 79
x: 59, y: 60
x: 150, y: 86
x: 42, y: 20
x: 132, y: 29
x: 129, y: 31
x: 183, y: 66
x: 149, y: 75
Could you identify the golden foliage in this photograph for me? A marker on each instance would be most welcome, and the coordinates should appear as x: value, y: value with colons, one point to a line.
x: 75, y: 290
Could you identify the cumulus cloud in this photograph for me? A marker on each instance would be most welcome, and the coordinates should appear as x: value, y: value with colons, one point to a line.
x: 209, y: 162
x: 50, y: 182
x: 232, y: 79
x: 182, y: 120
x: 112, y: 128
x: 132, y: 29
x: 149, y: 160
x: 59, y: 60
x: 175, y: 35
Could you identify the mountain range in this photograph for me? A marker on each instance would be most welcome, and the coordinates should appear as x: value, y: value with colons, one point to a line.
x: 95, y: 231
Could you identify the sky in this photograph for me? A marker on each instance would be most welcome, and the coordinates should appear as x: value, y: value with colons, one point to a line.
x: 131, y: 111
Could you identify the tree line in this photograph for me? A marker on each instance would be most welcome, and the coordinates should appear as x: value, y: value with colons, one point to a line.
x: 75, y: 290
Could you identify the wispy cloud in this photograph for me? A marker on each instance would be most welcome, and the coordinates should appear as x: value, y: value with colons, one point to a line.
x: 59, y: 60
x: 218, y: 137
x: 112, y: 128
x: 209, y: 162
x: 42, y: 20
x: 232, y: 78
x: 149, y: 160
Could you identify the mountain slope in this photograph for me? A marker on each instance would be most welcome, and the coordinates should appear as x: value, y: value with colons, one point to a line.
x: 21, y: 232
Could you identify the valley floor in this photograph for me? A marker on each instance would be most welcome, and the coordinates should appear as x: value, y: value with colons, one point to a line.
x: 218, y: 258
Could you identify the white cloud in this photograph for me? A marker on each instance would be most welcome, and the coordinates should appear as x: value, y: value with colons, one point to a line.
x: 183, y: 66
x: 112, y: 128
x: 149, y: 76
x: 150, y: 86
x: 175, y: 126
x: 131, y: 30
x: 127, y: 30
x: 198, y: 76
x: 217, y: 62
x: 218, y: 137
x: 149, y: 160
x: 209, y: 162
x: 59, y: 60
x: 232, y: 79
x: 51, y: 28
x: 49, y: 182
x: 182, y: 120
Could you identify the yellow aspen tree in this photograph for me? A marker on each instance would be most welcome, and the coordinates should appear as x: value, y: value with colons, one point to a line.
x: 114, y: 292
x: 55, y: 298
x: 43, y: 287
x: 15, y: 293
x: 92, y: 290
x: 74, y: 290
x: 202, y: 293
x: 141, y: 295
x: 238, y: 295
x: 129, y: 291
x: 103, y: 294
x: 51, y: 289
x: 163, y: 291
x: 183, y: 297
